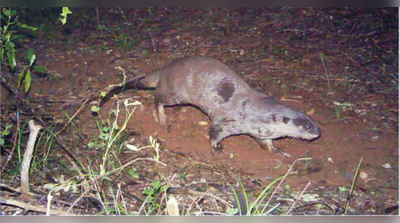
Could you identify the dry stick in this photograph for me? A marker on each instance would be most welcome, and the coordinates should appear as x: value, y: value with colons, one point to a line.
x: 165, y: 192
x: 326, y: 72
x: 273, y: 209
x: 352, y: 186
x: 26, y: 162
x: 14, y: 144
x: 194, y: 202
x: 284, y: 177
x: 155, y: 49
x: 301, y: 194
x: 78, y: 111
x: 28, y: 206
x: 76, y: 201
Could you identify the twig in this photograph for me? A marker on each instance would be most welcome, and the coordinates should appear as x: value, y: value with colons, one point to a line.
x: 15, y: 142
x: 326, y: 72
x: 351, y: 32
x: 387, y: 181
x: 15, y: 190
x: 77, y: 112
x: 155, y: 49
x: 30, y: 207
x: 294, y: 203
x: 352, y: 186
x: 273, y: 209
x: 77, y: 200
x: 17, y: 94
x: 26, y: 162
x: 294, y: 30
x: 284, y: 177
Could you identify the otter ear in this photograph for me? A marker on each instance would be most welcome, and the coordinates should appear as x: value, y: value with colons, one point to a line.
x: 285, y: 120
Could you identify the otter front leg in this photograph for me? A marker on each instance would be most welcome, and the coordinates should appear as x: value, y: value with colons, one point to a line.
x: 267, y: 144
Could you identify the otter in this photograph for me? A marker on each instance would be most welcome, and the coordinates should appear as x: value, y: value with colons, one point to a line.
x: 233, y: 107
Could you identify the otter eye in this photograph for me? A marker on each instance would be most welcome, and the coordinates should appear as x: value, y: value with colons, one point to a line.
x: 285, y: 119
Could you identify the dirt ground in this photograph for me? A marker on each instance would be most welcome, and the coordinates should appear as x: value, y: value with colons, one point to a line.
x: 338, y: 65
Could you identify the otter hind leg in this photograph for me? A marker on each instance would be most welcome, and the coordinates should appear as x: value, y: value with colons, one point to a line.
x: 217, y: 134
x: 159, y: 114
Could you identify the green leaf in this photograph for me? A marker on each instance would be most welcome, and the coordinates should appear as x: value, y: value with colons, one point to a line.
x: 132, y: 173
x: 156, y: 184
x: 2, y: 141
x: 231, y: 211
x: 40, y: 69
x: 103, y: 94
x: 95, y: 108
x: 11, y: 59
x: 21, y: 77
x: 64, y: 15
x: 13, y: 12
x: 25, y: 26
x: 115, y: 126
x: 28, y: 80
x: 66, y: 10
x: 91, y: 145
x: 2, y: 54
x: 10, y: 47
x: 31, y: 56
x: 342, y: 189
x: 7, y: 12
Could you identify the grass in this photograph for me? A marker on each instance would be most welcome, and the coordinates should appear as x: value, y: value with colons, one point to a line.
x: 99, y: 176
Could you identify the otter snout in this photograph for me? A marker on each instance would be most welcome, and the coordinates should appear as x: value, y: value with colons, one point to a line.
x: 309, y: 130
x: 313, y: 133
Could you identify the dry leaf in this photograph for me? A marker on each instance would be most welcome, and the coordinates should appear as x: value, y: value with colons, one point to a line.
x: 203, y: 123
x: 311, y: 112
x: 172, y: 207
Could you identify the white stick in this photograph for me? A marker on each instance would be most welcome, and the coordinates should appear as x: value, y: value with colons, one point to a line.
x: 34, y: 130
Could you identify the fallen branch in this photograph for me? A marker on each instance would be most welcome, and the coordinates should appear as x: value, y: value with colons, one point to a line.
x: 26, y: 162
x: 30, y: 207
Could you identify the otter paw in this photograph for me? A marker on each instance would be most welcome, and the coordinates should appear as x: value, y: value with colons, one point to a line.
x: 217, y: 149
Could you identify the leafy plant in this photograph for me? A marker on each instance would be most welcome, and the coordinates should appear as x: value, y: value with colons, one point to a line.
x: 339, y: 107
x: 152, y: 195
x: 256, y: 207
x: 8, y: 49
x: 25, y: 75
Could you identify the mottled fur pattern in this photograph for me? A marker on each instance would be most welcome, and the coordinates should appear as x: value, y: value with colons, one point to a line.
x: 232, y: 105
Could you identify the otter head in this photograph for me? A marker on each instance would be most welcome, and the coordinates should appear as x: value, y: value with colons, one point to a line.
x: 283, y: 121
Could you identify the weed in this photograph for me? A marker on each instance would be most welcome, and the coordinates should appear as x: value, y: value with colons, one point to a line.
x: 255, y: 208
x: 340, y: 107
x: 110, y: 142
x: 151, y: 203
